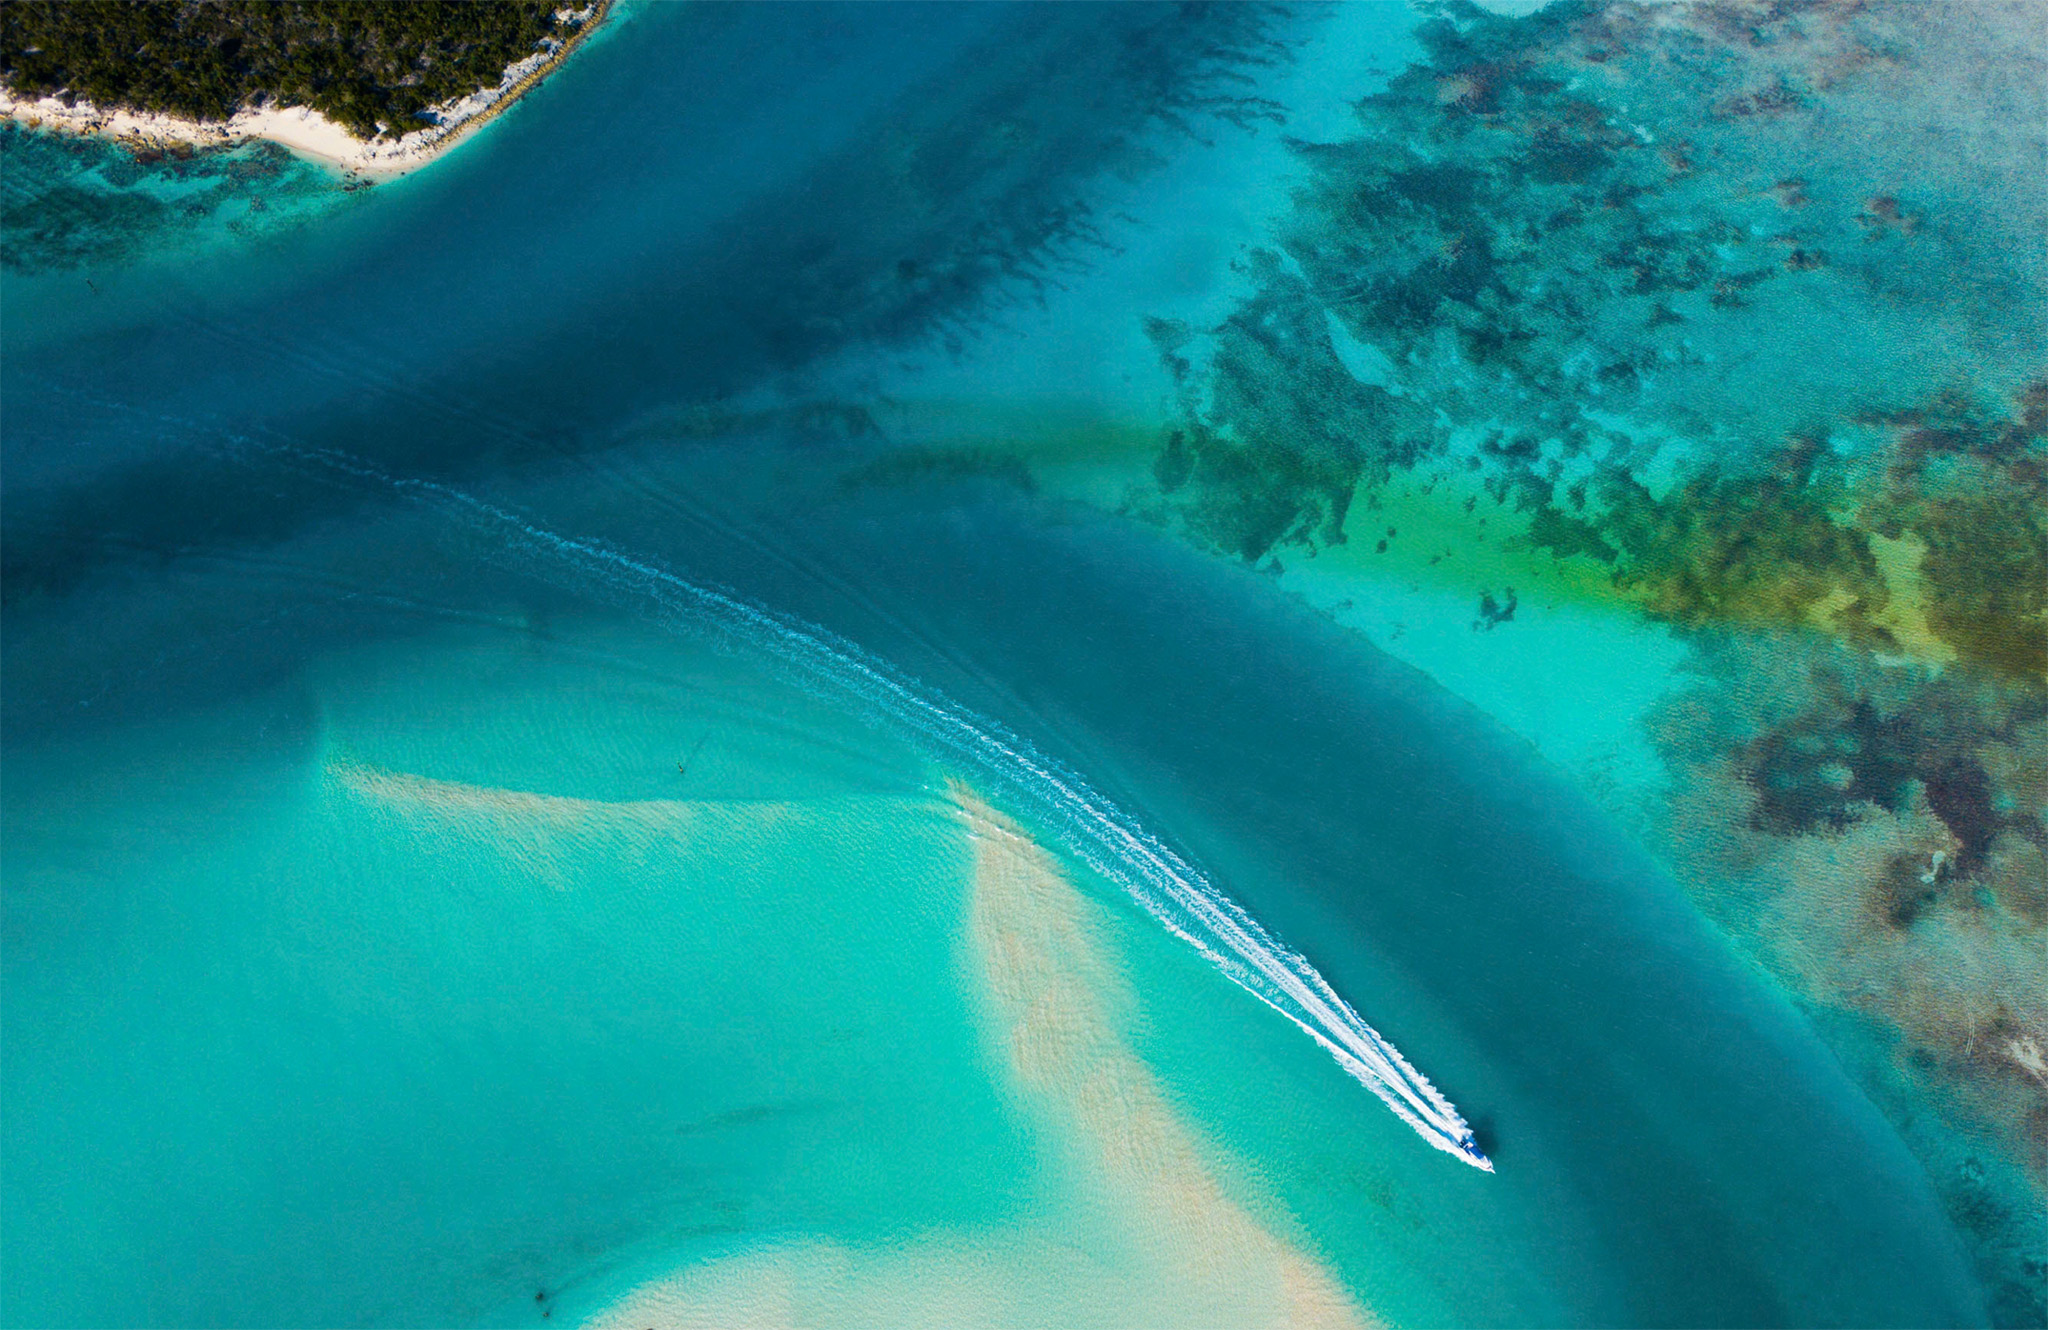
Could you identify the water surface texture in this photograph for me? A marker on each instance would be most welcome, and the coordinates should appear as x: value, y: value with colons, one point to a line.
x: 1043, y: 665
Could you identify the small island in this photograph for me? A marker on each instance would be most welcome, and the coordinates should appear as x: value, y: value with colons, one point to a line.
x: 371, y: 86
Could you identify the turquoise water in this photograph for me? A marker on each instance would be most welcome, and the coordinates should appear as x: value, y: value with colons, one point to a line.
x: 421, y: 909
x: 401, y: 1055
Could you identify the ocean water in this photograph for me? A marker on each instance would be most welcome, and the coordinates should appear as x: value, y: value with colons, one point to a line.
x: 589, y: 734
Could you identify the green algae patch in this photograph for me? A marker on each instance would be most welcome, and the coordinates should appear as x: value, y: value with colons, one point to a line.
x: 1987, y: 570
x: 1736, y: 550
x: 1967, y: 484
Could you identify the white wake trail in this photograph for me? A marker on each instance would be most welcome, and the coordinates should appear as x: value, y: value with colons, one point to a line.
x: 1088, y: 823
x: 1101, y: 834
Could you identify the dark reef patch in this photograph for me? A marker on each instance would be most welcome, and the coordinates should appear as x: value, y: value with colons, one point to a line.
x: 1821, y: 770
x: 1493, y: 613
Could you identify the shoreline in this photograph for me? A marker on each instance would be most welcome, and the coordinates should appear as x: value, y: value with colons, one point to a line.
x: 304, y: 131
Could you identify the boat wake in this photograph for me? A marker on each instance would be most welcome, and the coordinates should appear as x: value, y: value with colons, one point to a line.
x: 1088, y: 823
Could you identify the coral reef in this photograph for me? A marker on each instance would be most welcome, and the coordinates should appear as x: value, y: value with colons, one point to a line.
x: 1730, y: 316
x: 1877, y: 835
x: 71, y: 202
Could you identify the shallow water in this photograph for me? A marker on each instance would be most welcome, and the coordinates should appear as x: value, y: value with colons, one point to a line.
x: 419, y: 909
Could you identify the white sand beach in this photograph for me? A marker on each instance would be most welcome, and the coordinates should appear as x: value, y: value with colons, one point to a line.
x: 304, y: 130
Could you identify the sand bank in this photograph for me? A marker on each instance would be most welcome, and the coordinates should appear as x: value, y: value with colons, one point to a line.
x: 305, y: 131
x: 1153, y: 1237
x: 1057, y: 1000
x: 550, y: 840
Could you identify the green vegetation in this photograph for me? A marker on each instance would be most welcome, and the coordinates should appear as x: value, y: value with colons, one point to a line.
x: 370, y: 66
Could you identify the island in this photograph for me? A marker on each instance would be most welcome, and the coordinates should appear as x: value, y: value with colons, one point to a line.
x: 372, y: 87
